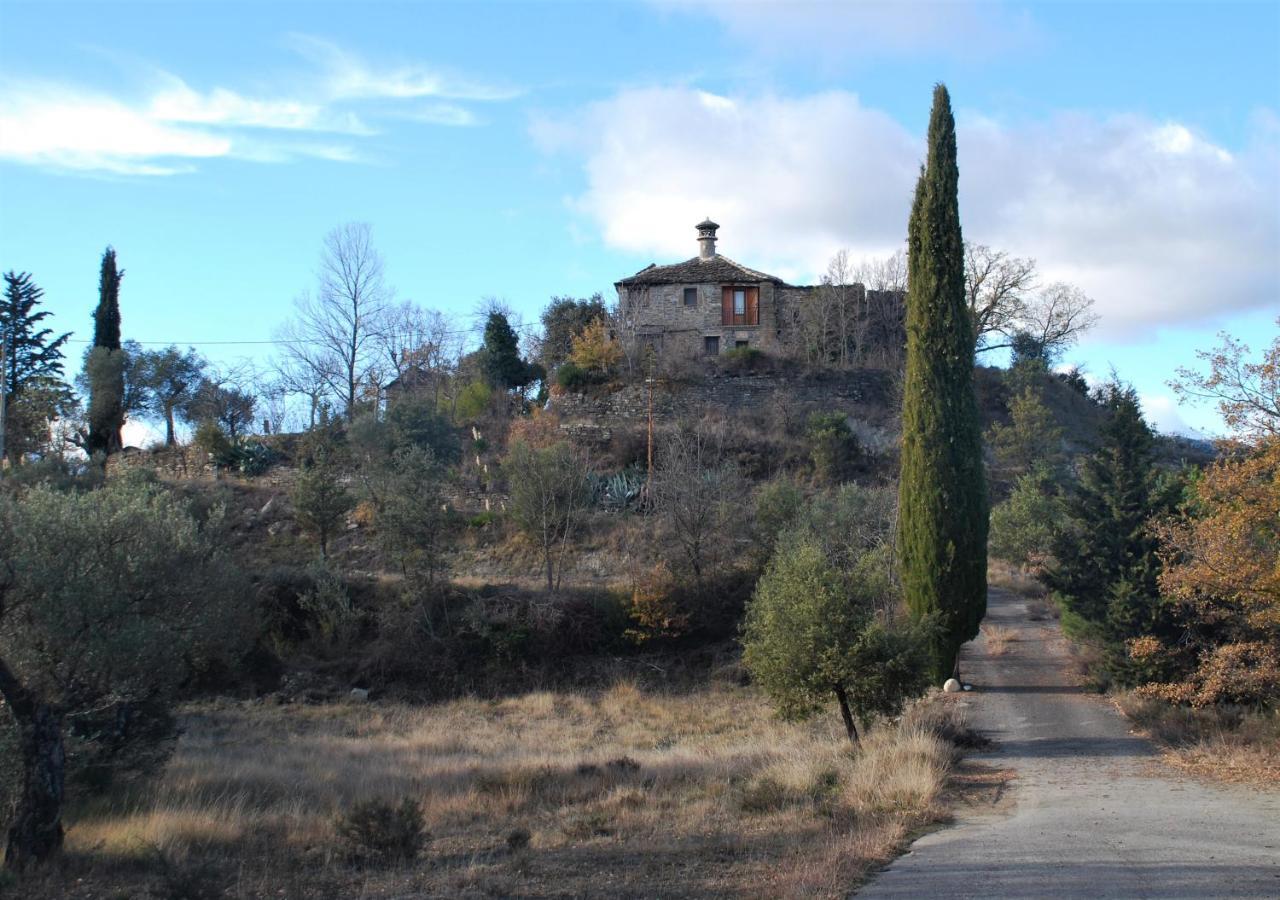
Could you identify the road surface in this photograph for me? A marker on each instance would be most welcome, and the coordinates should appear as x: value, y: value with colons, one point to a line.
x: 1093, y: 811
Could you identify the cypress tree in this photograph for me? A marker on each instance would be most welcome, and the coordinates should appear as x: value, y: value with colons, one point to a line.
x: 942, y: 527
x: 106, y: 363
x: 503, y: 367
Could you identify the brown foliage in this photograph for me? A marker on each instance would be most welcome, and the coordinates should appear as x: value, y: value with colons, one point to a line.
x: 1220, y: 557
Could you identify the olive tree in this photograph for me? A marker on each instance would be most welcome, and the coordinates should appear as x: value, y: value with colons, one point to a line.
x: 108, y: 599
x: 813, y: 634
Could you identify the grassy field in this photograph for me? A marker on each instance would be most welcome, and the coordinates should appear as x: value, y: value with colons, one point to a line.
x: 617, y: 793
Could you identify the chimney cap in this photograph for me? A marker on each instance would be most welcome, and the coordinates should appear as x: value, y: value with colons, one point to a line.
x: 707, y: 225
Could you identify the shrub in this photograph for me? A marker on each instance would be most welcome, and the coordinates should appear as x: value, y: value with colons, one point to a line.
x: 473, y: 401
x: 380, y: 831
x: 594, y: 349
x: 211, y: 439
x: 1025, y: 526
x: 321, y: 501
x: 572, y: 377
x: 327, y: 608
x: 655, y: 611
x: 778, y: 503
x: 742, y: 359
x: 832, y: 446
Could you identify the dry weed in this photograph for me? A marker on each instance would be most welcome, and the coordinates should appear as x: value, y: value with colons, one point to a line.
x: 1223, y: 743
x: 998, y: 638
x: 673, y: 794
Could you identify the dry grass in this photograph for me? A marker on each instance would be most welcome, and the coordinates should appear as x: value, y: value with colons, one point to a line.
x: 1015, y: 579
x: 1223, y: 744
x: 998, y: 638
x: 618, y: 793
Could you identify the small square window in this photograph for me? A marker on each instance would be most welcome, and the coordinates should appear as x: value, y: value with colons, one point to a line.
x: 690, y: 296
x: 711, y: 346
x: 741, y: 344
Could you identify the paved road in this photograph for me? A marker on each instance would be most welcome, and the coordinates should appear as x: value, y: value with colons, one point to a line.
x: 1094, y: 812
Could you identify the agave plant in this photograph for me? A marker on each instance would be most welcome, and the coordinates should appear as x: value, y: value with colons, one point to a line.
x: 619, y: 490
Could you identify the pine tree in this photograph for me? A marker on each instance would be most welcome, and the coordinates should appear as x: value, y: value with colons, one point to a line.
x: 105, y: 365
x: 33, y: 390
x: 1108, y: 548
x: 942, y: 539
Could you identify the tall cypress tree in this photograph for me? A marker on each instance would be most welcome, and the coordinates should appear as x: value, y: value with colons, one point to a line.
x: 105, y: 364
x: 942, y: 539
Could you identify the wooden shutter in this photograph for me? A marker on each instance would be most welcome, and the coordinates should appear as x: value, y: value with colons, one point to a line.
x: 753, y: 306
x: 726, y: 306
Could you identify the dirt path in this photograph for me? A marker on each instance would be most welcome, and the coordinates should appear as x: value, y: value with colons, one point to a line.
x: 1094, y: 812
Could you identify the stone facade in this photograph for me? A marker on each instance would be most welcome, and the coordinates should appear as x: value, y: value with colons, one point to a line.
x: 710, y: 304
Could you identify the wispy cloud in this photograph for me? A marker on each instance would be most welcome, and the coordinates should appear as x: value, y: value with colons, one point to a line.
x: 349, y: 76
x: 166, y: 126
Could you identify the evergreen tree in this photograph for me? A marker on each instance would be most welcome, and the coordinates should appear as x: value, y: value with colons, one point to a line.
x: 500, y: 356
x: 105, y: 365
x: 1106, y: 557
x: 33, y: 391
x: 942, y: 536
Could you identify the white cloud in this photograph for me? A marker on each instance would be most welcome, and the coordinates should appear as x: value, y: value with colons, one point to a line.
x: 348, y: 76
x: 169, y: 126
x: 1162, y: 413
x: 1155, y: 221
x: 178, y: 102
x: 441, y: 114
x: 850, y: 30
x: 65, y: 128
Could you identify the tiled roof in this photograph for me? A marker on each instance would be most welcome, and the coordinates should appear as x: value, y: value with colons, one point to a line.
x: 699, y: 271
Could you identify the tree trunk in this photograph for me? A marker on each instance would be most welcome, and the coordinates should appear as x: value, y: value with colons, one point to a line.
x: 846, y: 713
x: 36, y: 832
x: 168, y: 427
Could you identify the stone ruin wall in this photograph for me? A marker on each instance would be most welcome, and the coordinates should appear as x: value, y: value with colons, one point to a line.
x: 592, y: 417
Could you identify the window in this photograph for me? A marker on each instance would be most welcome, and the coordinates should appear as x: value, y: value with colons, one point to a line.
x: 741, y: 345
x: 690, y: 296
x: 711, y: 346
x: 740, y: 306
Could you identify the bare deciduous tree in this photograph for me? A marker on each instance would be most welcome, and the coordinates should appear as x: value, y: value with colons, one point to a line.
x: 698, y: 494
x: 1004, y: 301
x: 1247, y: 393
x: 332, y: 338
x: 414, y: 340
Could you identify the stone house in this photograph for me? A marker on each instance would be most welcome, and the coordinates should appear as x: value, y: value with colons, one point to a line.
x: 710, y: 304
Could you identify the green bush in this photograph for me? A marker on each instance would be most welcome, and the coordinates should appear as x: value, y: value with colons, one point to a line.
x: 382, y: 832
x: 572, y: 377
x: 1025, y: 526
x: 832, y: 446
x: 473, y: 401
x: 742, y: 359
x: 210, y: 438
x: 778, y: 503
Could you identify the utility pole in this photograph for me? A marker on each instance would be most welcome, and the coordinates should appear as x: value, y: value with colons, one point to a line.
x: 4, y: 386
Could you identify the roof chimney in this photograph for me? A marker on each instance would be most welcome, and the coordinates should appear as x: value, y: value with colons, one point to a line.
x: 707, y: 239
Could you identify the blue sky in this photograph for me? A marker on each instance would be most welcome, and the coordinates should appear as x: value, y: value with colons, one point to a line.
x: 526, y: 150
